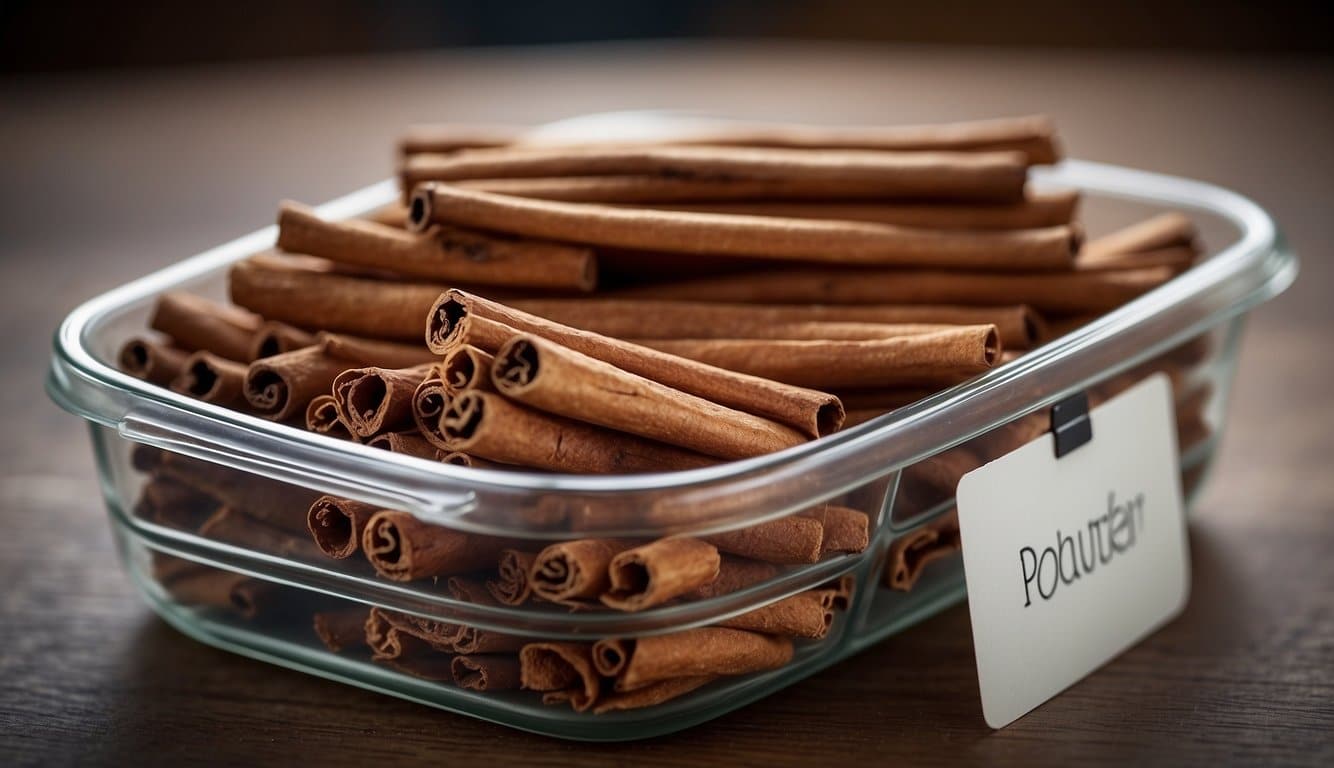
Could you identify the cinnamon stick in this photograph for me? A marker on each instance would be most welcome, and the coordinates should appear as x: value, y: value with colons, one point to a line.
x: 341, y: 630
x: 428, y: 405
x: 403, y: 548
x: 322, y: 417
x: 800, y: 616
x: 990, y: 176
x: 486, y: 672
x: 281, y: 386
x: 659, y: 571
x: 562, y: 671
x: 359, y: 351
x: 650, y: 695
x: 911, y: 552
x: 570, y: 571
x: 278, y: 504
x: 1019, y: 327
x: 487, y: 425
x: 512, y: 585
x: 937, y: 357
x: 734, y: 575
x: 447, y: 254
x: 274, y: 338
x: 467, y: 367
x: 377, y: 400
x: 787, y: 541
x: 460, y: 318
x: 232, y: 527
x: 174, y: 504
x: 450, y: 137
x: 1166, y: 230
x: 408, y: 443
x: 1178, y: 259
x: 700, y: 652
x: 845, y: 530
x: 212, y: 379
x: 1064, y: 292
x: 760, y: 237
x: 336, y: 524
x: 152, y: 361
x: 195, y: 323
x: 545, y: 375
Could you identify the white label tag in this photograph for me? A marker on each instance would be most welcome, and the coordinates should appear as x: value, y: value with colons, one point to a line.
x: 1071, y: 561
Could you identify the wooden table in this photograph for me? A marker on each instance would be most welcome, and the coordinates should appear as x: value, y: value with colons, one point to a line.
x: 109, y: 176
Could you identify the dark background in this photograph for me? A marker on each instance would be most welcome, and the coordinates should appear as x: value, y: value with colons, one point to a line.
x: 64, y: 35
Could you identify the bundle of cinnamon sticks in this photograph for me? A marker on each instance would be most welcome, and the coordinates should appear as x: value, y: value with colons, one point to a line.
x: 637, y: 307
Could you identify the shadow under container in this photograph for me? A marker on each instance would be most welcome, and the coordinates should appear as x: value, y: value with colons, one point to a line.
x: 899, y: 469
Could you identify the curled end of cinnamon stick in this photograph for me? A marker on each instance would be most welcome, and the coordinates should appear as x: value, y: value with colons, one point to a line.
x: 420, y: 204
x: 516, y: 366
x: 466, y: 367
x: 461, y: 418
x: 829, y: 417
x: 446, y: 322
x: 336, y: 525
x: 991, y: 346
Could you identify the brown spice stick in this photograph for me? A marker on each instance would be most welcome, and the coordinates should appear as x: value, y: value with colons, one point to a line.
x: 281, y: 386
x: 1019, y: 326
x: 196, y: 323
x: 428, y: 405
x: 1178, y: 259
x: 274, y: 338
x: 1066, y: 292
x: 659, y: 571
x: 447, y: 254
x: 701, y: 652
x: 450, y: 137
x: 388, y: 641
x: 845, y: 530
x: 278, y: 504
x: 552, y: 378
x: 310, y: 299
x: 377, y: 400
x: 990, y: 176
x: 232, y: 527
x: 937, y: 357
x: 512, y: 585
x: 359, y: 351
x: 466, y: 367
x: 341, y: 630
x: 734, y: 575
x: 336, y: 524
x: 213, y: 379
x: 650, y: 695
x: 322, y: 417
x: 487, y: 425
x: 408, y: 443
x: 486, y: 672
x: 911, y: 552
x: 787, y: 541
x: 760, y: 237
x: 563, y: 671
x: 570, y: 571
x: 403, y: 548
x: 800, y: 616
x: 1167, y: 230
x: 460, y: 318
x: 152, y: 361
x: 174, y: 504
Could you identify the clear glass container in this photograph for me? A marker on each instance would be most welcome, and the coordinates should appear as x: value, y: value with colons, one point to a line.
x: 899, y: 469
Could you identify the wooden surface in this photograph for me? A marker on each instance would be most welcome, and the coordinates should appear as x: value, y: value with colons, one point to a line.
x: 108, y: 177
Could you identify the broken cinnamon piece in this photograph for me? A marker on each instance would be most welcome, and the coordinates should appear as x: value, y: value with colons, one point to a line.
x: 403, y: 548
x: 152, y: 361
x: 799, y: 616
x: 195, y: 323
x: 460, y: 318
x: 212, y: 379
x: 936, y: 357
x: 341, y: 630
x: 446, y: 254
x: 700, y: 652
x: 545, y: 375
x: 570, y: 571
x: 512, y: 585
x: 336, y: 524
x: 654, y: 573
x: 759, y: 237
x: 486, y: 672
x: 489, y: 426
x: 563, y: 671
x: 786, y: 541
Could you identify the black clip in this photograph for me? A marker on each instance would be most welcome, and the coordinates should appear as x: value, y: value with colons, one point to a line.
x: 1070, y: 423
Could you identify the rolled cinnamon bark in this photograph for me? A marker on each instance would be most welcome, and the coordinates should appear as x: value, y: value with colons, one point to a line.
x: 552, y: 378
x: 274, y: 338
x: 213, y: 379
x: 562, y: 671
x: 734, y: 575
x: 487, y: 425
x: 447, y: 254
x: 1035, y: 211
x: 174, y: 504
x: 232, y: 527
x: 938, y: 357
x: 759, y: 237
x: 910, y: 553
x: 408, y: 443
x: 341, y: 630
x: 450, y: 137
x: 336, y: 524
x: 802, y: 615
x: 152, y: 361
x: 1062, y: 292
x: 700, y: 652
x: 471, y: 641
x: 309, y: 299
x: 989, y: 176
x: 786, y: 541
x: 1019, y: 326
x: 281, y: 386
x: 278, y: 504
x: 1178, y: 259
x: 512, y: 585
x: 845, y: 530
x: 377, y: 400
x: 460, y: 318
x: 650, y: 695
x: 322, y: 417
x: 359, y: 351
x: 657, y: 572
x: 428, y: 405
x: 467, y: 367
x: 388, y: 641
x: 571, y: 571
x: 196, y: 323
x: 403, y: 548
x: 1167, y: 230
x: 486, y: 672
